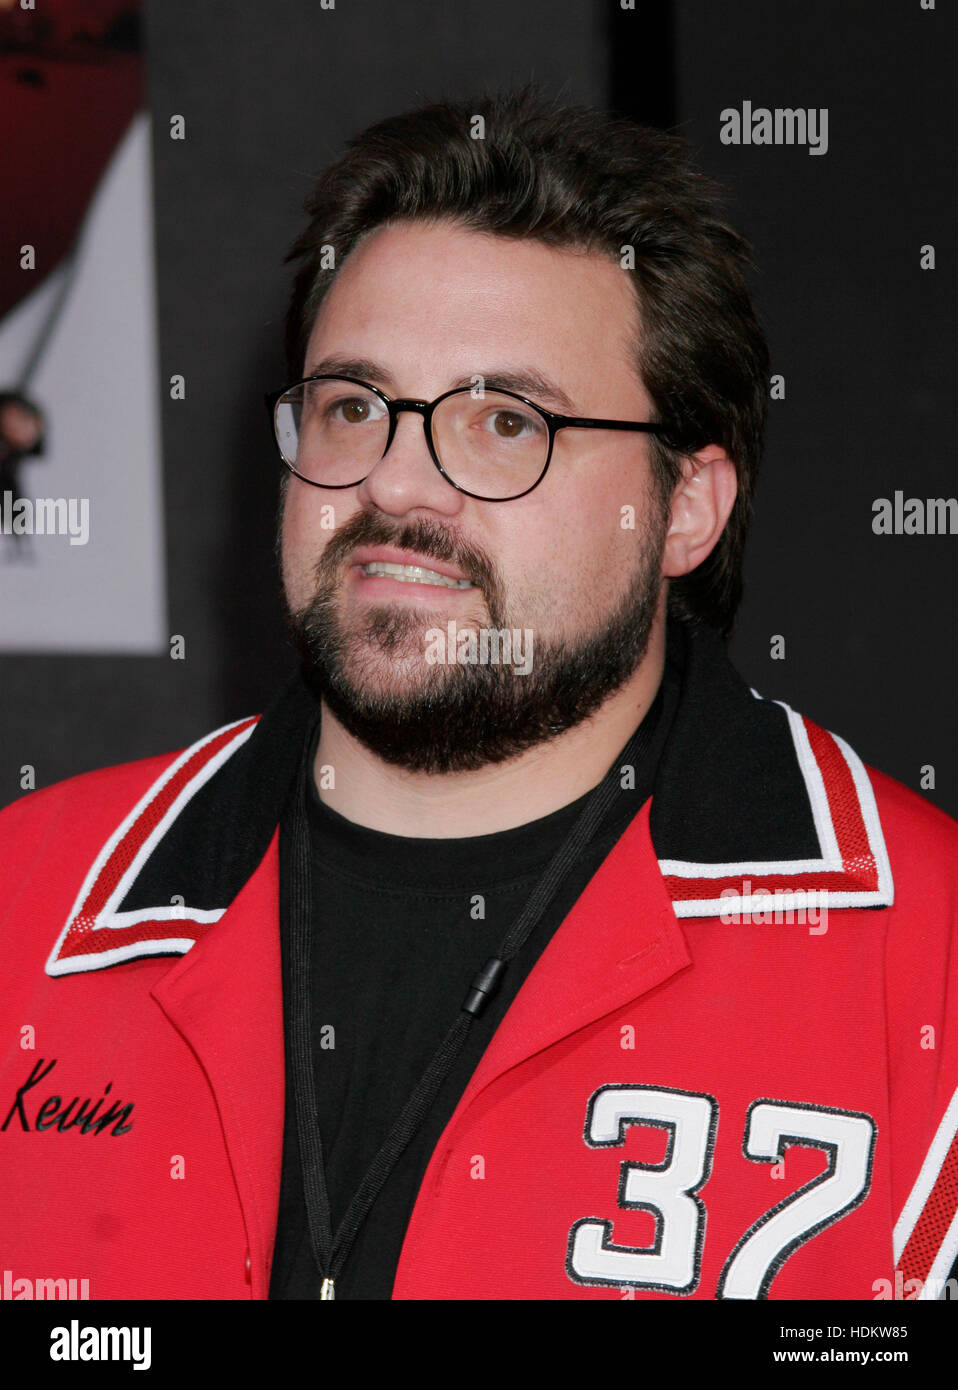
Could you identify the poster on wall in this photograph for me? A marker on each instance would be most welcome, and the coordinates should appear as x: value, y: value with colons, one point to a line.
x: 81, y: 520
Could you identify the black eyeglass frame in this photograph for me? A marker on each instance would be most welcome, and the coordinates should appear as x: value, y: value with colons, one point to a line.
x: 427, y: 409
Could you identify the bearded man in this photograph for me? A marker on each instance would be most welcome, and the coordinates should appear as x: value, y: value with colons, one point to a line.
x: 494, y: 978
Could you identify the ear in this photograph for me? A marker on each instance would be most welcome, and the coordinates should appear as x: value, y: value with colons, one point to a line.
x: 701, y: 504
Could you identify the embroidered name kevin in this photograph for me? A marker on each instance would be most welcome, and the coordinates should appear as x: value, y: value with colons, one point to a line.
x: 52, y: 1112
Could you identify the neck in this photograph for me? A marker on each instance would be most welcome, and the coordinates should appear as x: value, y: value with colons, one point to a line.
x: 453, y: 805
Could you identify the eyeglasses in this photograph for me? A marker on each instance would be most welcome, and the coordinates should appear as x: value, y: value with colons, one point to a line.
x: 492, y: 445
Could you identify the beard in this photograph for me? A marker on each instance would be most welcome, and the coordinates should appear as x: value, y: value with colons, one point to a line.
x: 373, y: 677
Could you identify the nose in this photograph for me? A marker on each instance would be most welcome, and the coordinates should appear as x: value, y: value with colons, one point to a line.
x: 406, y: 478
x: 404, y: 407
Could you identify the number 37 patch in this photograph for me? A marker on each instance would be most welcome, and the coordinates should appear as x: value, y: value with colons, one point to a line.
x: 669, y: 1189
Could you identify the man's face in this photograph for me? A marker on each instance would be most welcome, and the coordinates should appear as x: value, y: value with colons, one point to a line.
x: 418, y: 309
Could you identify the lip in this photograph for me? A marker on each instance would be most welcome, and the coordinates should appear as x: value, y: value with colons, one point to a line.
x: 390, y: 555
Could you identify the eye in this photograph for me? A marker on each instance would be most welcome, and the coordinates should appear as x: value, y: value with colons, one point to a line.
x: 353, y: 410
x: 512, y: 424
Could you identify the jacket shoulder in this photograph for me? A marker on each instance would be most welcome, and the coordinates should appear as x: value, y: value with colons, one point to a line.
x: 92, y: 803
x: 905, y: 807
x: 922, y: 839
x: 86, y: 794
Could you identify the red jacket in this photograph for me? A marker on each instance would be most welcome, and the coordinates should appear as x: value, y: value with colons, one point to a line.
x: 676, y: 1105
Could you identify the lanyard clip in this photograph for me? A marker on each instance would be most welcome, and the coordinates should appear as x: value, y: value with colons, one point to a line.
x: 484, y: 986
x: 327, y: 1291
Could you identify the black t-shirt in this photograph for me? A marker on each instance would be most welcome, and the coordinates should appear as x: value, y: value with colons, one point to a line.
x: 401, y: 927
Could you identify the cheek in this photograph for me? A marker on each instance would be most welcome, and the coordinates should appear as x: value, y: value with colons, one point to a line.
x: 304, y: 534
x: 290, y: 543
x: 572, y: 563
x: 596, y: 558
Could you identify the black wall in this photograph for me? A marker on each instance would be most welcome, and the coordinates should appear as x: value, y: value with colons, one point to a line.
x: 866, y: 341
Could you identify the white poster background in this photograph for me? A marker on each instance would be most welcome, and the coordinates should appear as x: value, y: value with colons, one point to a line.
x: 98, y: 386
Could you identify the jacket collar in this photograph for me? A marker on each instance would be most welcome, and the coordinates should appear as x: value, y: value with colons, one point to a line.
x: 755, y: 809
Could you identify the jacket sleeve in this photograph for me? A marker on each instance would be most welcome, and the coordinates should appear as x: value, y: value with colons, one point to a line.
x: 921, y: 982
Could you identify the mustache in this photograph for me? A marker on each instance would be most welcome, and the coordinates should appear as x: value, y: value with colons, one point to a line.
x: 425, y: 537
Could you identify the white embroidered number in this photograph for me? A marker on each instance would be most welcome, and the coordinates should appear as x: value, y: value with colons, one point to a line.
x: 848, y: 1139
x: 667, y: 1190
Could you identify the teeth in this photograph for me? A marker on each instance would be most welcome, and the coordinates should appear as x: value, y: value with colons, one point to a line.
x: 414, y: 574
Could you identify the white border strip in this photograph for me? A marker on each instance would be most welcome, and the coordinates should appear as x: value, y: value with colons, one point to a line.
x: 163, y: 914
x: 928, y: 1176
x: 815, y: 786
x: 168, y: 946
x: 869, y: 810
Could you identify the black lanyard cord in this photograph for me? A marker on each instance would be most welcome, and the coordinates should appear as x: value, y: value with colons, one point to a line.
x: 330, y: 1251
x: 300, y: 1031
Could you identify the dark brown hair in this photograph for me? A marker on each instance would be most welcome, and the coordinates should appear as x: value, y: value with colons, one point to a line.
x: 577, y: 177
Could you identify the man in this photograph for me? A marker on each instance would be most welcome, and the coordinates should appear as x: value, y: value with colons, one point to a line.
x: 523, y: 951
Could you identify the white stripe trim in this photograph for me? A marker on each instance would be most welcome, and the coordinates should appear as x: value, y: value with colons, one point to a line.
x: 815, y: 786
x: 186, y: 795
x: 918, y: 1196
x: 681, y: 868
x: 109, y: 919
x: 869, y: 810
x: 795, y: 901
x: 99, y: 960
x: 118, y: 920
x: 714, y: 907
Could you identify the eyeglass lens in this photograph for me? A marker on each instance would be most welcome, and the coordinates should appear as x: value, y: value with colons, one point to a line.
x: 335, y: 432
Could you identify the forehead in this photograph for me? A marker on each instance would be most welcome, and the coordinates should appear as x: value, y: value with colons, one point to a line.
x: 439, y: 296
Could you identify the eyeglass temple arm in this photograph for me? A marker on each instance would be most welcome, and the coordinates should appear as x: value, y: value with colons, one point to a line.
x: 566, y: 421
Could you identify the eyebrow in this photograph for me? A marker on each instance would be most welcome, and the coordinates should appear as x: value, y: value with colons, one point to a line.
x: 524, y: 381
